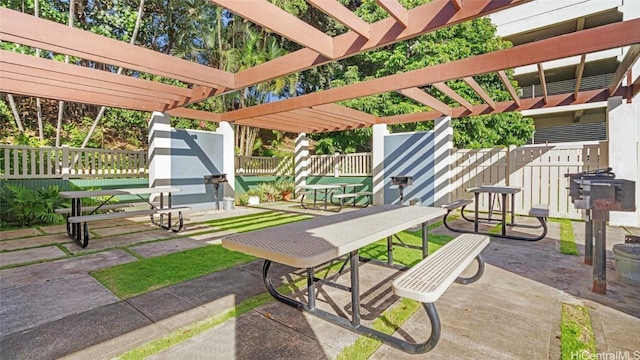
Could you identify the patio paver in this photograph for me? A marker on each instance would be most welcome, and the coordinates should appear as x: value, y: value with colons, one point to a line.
x: 30, y: 255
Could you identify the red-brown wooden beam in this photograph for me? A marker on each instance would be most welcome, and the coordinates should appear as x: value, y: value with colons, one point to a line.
x: 272, y: 17
x: 507, y: 84
x: 426, y: 99
x: 423, y: 19
x: 345, y: 16
x: 629, y: 60
x: 479, y: 90
x: 595, y: 39
x: 39, y: 33
x: 396, y: 10
x: 443, y: 88
x: 584, y: 97
x: 543, y: 81
x: 579, y: 72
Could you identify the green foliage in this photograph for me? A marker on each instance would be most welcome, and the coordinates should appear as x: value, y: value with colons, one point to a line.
x: 26, y: 207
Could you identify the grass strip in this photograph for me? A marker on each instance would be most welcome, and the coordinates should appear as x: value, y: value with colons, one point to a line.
x: 134, y: 278
x: 577, y: 340
x: 567, y: 240
x: 387, y: 323
x: 183, y: 334
x: 392, y: 319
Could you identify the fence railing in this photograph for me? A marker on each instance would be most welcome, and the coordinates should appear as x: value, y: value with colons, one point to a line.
x: 263, y: 165
x: 27, y: 162
x: 538, y: 169
x: 340, y: 165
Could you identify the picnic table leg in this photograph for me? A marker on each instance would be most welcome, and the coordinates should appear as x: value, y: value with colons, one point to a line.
x: 504, y: 214
x: 311, y: 289
x: 389, y: 250
x: 477, y: 213
x: 513, y: 209
x: 425, y: 240
x: 355, y: 289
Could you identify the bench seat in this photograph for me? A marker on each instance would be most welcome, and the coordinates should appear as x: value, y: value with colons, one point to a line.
x: 456, y: 204
x: 539, y: 210
x: 344, y: 196
x: 94, y: 208
x: 427, y: 281
x: 125, y: 214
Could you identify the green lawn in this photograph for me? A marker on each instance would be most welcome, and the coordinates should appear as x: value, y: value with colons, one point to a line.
x: 138, y: 277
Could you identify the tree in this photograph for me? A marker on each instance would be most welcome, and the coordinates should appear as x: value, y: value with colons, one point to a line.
x: 452, y: 43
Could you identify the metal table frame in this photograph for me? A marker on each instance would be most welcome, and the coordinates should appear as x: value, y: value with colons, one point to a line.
x: 323, y: 234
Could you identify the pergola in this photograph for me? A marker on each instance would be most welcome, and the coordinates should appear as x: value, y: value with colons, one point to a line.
x: 316, y: 112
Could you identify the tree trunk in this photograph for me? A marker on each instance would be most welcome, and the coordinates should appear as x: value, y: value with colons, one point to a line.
x: 16, y: 115
x: 36, y: 6
x: 72, y: 5
x: 134, y: 35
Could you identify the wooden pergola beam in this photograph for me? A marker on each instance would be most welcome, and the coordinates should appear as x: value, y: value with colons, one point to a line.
x: 443, y: 88
x: 629, y: 60
x: 396, y: 10
x: 586, y: 41
x: 429, y: 17
x: 584, y: 97
x: 38, y: 33
x: 479, y: 90
x: 194, y: 114
x: 46, y: 91
x: 579, y: 72
x: 426, y: 99
x: 26, y: 64
x: 345, y: 16
x: 543, y: 81
x: 286, y: 25
x: 343, y: 111
x: 507, y: 84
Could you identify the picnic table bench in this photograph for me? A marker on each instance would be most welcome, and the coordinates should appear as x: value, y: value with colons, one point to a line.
x: 540, y: 212
x: 77, y: 221
x: 311, y: 243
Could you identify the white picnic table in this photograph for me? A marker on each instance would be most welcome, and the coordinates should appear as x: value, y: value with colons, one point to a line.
x: 310, y: 243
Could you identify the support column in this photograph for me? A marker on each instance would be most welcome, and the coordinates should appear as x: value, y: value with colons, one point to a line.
x: 443, y: 130
x: 159, y: 150
x: 623, y: 131
x: 301, y: 160
x: 377, y: 154
x: 228, y: 157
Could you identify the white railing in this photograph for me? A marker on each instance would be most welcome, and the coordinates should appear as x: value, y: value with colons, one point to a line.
x: 27, y: 162
x: 263, y: 165
x: 538, y: 169
x: 340, y: 165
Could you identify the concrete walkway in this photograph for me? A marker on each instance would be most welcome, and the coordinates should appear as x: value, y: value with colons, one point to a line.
x: 55, y: 309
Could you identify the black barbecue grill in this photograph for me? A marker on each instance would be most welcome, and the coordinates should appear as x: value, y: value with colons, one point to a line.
x: 402, y: 182
x: 215, y: 179
x: 598, y: 192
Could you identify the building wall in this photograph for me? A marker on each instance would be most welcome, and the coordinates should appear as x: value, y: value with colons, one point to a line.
x: 410, y: 154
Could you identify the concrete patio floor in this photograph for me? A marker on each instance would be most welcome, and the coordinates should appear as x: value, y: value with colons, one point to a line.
x: 55, y: 309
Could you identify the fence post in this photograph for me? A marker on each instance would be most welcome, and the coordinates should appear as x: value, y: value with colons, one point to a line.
x: 65, y: 162
x: 336, y: 165
x: 511, y: 166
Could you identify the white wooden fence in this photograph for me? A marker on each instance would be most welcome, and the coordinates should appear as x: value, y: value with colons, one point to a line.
x: 539, y: 169
x: 340, y: 165
x: 263, y: 165
x: 27, y: 162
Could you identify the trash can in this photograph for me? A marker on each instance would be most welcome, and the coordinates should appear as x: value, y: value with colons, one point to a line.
x: 628, y: 263
x: 228, y: 203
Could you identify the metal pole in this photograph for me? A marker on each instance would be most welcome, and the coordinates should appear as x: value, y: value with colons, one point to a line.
x: 599, y: 253
x: 425, y: 240
x: 355, y: 288
x: 588, y: 238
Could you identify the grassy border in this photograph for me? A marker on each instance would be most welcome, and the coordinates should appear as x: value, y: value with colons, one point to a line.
x: 576, y: 334
x: 567, y: 240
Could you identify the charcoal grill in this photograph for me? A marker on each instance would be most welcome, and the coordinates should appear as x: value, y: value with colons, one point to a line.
x: 402, y: 182
x: 598, y: 192
x: 215, y: 179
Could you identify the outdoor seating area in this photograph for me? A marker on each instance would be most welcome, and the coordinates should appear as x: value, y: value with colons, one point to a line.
x: 320, y: 179
x: 514, y: 287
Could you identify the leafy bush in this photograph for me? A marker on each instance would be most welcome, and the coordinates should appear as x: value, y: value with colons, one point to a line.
x: 26, y: 207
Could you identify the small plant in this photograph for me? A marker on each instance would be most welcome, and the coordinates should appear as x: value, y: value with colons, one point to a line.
x: 28, y: 207
x: 286, y: 188
x: 270, y: 191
